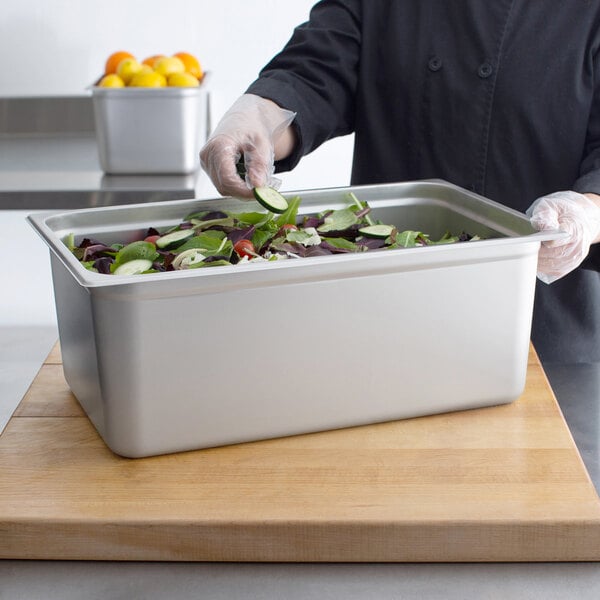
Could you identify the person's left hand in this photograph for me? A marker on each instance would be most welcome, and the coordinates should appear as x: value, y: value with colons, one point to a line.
x: 576, y: 214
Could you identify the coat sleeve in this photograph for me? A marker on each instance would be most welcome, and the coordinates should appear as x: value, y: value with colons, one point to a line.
x: 316, y: 76
x: 589, y: 173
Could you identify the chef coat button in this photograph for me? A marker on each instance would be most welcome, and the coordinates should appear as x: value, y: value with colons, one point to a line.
x: 485, y: 70
x: 435, y: 63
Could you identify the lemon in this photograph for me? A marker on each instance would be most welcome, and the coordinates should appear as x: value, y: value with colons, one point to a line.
x: 148, y: 79
x: 166, y: 65
x: 112, y: 80
x: 127, y: 68
x: 182, y: 80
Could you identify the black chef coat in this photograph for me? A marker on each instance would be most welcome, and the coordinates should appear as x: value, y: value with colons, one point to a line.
x: 501, y: 97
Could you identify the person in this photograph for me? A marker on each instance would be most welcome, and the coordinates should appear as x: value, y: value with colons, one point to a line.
x: 501, y: 98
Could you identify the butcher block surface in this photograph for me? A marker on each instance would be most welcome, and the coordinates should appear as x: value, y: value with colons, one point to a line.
x: 503, y: 483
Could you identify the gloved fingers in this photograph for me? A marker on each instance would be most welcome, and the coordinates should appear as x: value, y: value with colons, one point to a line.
x: 219, y: 158
x: 562, y: 210
x: 577, y: 216
x: 259, y: 160
x: 249, y: 130
x: 546, y: 218
x: 557, y: 261
x: 259, y: 156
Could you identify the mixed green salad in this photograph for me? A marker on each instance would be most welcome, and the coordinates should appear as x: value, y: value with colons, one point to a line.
x: 211, y: 238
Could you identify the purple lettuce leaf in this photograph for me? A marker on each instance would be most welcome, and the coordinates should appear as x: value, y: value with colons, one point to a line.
x: 235, y: 235
x: 102, y: 265
x: 371, y: 243
x: 299, y: 250
x: 334, y: 249
x: 350, y: 233
x: 95, y: 251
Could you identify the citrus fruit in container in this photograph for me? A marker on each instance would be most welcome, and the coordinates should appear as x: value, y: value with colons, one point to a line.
x: 127, y: 67
x: 192, y: 66
x: 112, y: 62
x: 151, y: 114
x: 111, y: 80
x: 150, y: 60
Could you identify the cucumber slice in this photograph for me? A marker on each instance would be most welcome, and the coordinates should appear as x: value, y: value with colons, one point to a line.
x: 133, y: 267
x: 172, y: 238
x: 271, y: 199
x: 377, y: 231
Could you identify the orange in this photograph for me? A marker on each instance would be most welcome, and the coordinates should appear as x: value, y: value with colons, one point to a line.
x: 152, y: 59
x: 191, y: 63
x: 114, y: 59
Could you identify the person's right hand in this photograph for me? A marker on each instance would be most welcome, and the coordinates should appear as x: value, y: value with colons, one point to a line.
x: 248, y: 130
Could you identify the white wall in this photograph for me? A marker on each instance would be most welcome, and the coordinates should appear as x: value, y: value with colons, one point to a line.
x: 58, y: 47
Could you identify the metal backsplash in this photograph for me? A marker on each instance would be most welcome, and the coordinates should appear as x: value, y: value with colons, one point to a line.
x: 46, y: 115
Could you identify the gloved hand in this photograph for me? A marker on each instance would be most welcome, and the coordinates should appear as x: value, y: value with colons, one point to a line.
x: 573, y: 213
x: 248, y: 130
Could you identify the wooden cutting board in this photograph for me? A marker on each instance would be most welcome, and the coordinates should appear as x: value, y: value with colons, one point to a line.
x: 495, y: 484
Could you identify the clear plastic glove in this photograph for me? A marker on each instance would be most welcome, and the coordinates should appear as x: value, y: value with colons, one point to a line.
x: 248, y: 130
x: 574, y: 214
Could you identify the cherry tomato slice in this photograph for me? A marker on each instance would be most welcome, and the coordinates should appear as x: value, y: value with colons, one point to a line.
x: 244, y: 247
x: 152, y: 239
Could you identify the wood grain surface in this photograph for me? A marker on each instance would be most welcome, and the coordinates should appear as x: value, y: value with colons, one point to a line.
x: 503, y: 483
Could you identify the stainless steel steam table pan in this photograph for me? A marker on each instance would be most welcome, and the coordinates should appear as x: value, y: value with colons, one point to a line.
x: 150, y: 130
x: 190, y: 359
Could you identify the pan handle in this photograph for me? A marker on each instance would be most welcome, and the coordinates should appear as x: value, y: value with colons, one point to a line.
x: 549, y: 234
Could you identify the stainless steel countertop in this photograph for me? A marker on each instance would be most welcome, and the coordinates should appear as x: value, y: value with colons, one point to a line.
x: 48, y: 161
x: 41, y: 172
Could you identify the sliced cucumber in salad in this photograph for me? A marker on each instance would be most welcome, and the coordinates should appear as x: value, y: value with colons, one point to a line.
x: 271, y: 199
x: 133, y: 267
x: 174, y: 237
x: 377, y: 231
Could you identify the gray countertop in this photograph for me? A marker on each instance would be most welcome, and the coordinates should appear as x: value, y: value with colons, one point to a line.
x: 132, y: 581
x: 59, y: 171
x: 49, y: 159
x: 577, y: 389
x: 47, y: 167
